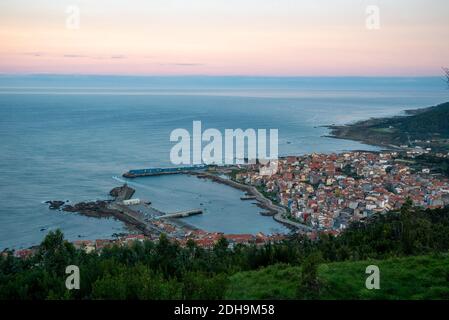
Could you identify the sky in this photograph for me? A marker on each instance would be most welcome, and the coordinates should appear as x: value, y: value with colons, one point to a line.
x: 225, y: 37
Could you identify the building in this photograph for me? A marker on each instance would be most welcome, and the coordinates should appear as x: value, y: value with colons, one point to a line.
x: 131, y: 202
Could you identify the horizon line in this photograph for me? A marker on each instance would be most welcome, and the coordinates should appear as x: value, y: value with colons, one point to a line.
x: 215, y: 76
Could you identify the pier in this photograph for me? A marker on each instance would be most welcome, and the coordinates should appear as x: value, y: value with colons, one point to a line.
x: 161, y: 171
x: 181, y: 214
x: 248, y: 198
x: 143, y: 215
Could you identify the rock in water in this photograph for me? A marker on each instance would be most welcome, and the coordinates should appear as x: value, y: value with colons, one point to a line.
x: 122, y: 193
x: 55, y: 204
x: 96, y: 209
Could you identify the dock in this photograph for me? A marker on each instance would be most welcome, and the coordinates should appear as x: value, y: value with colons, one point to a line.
x: 248, y: 198
x: 181, y: 214
x: 142, y: 216
x: 161, y: 171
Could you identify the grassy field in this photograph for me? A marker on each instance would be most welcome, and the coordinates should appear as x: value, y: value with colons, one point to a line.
x: 384, y: 130
x: 421, y: 277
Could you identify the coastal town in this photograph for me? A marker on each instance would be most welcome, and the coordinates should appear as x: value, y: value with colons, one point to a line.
x: 329, y: 191
x: 323, y: 193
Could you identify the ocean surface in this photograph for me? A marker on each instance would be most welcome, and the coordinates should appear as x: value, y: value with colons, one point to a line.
x: 67, y: 137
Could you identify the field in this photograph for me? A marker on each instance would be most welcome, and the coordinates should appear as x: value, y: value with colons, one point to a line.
x: 420, y: 277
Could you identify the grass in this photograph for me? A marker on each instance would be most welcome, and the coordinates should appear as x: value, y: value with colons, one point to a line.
x: 421, y: 277
x: 274, y: 282
x: 384, y: 130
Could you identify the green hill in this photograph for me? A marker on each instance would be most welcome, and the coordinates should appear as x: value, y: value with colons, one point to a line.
x: 434, y: 120
x: 428, y: 124
x: 420, y: 277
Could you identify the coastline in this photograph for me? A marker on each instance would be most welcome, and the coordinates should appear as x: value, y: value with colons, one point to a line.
x: 359, y: 131
x: 134, y: 219
x: 423, y: 128
x: 263, y: 202
x: 362, y: 131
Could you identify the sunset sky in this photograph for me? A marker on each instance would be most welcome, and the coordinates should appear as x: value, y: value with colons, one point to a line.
x: 224, y: 37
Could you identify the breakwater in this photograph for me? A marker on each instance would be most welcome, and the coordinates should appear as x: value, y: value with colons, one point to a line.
x: 161, y: 171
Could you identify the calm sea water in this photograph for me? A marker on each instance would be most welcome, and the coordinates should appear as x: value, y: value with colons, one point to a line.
x: 66, y: 137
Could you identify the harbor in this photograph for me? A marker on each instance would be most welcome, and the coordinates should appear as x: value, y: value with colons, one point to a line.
x: 216, y: 175
x: 137, y: 214
x: 183, y: 203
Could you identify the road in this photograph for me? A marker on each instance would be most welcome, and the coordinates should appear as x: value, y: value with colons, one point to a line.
x: 265, y: 202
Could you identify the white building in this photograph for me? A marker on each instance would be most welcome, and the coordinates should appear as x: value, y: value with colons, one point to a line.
x: 131, y: 202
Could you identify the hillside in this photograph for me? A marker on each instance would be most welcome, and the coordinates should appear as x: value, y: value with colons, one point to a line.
x: 420, y: 277
x: 410, y: 246
x: 415, y: 129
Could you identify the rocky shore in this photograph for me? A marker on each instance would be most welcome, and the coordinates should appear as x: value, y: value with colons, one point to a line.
x: 104, y: 208
x: 96, y: 209
x: 55, y: 204
x: 122, y: 193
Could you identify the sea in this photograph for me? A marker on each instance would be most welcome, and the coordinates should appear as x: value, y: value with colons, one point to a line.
x: 71, y: 137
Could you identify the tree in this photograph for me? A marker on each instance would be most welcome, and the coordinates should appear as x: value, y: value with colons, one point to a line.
x: 138, y: 282
x: 166, y: 256
x: 221, y: 247
x: 221, y: 256
x: 310, y: 285
x: 200, y: 286
x: 56, y: 253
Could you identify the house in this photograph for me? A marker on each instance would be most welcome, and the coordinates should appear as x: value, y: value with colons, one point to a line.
x: 131, y: 202
x: 133, y: 238
x: 23, y: 254
x: 240, y: 238
x: 86, y: 245
x: 100, y: 244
